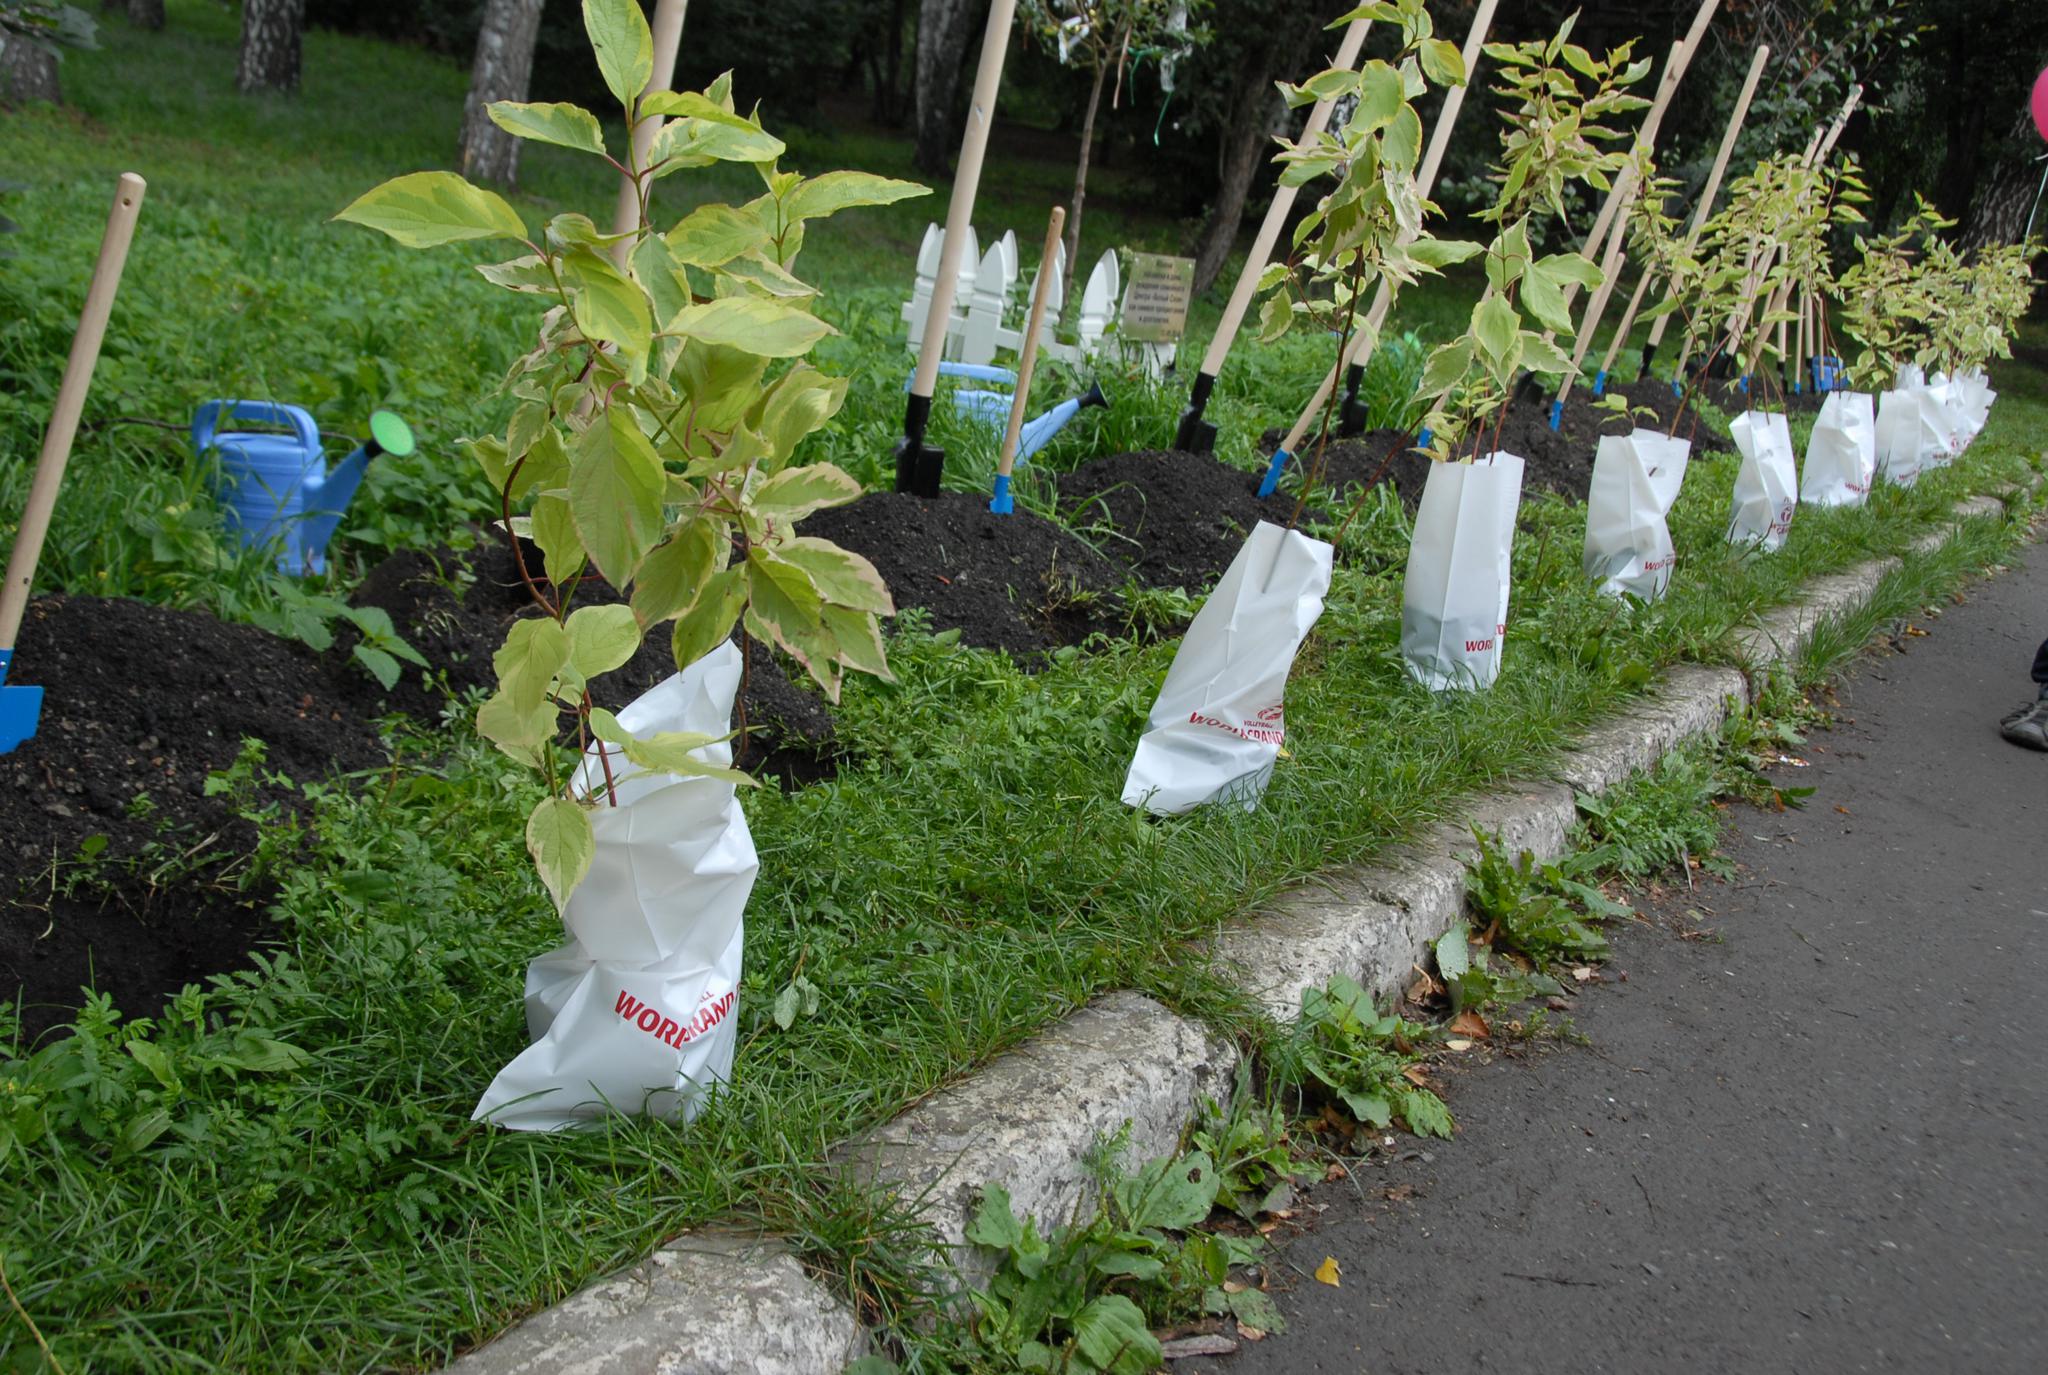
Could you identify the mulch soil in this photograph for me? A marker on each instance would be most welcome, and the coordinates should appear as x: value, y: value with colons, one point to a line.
x: 1177, y: 519
x: 144, y: 702
x: 1018, y: 583
x: 454, y: 608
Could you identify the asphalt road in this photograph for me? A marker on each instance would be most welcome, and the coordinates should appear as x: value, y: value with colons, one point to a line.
x: 1813, y: 1137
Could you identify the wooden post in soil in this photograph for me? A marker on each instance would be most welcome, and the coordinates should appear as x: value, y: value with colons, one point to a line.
x: 1360, y: 350
x: 668, y: 38
x: 1610, y: 272
x: 1702, y: 212
x: 1027, y: 363
x: 1817, y: 153
x: 919, y: 465
x: 21, y: 706
x: 1195, y: 434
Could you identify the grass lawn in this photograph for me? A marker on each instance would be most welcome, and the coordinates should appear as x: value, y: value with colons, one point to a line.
x: 280, y: 1173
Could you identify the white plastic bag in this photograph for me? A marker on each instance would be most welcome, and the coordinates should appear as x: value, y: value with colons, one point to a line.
x: 1910, y: 437
x: 1636, y: 478
x: 1841, y: 454
x: 1944, y: 422
x: 1766, y: 486
x: 636, y: 1013
x: 1971, y: 395
x: 1454, y: 601
x: 1217, y: 725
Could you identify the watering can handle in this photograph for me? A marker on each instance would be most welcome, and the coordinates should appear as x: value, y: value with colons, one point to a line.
x: 212, y: 413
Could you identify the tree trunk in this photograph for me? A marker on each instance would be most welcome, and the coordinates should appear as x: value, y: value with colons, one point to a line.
x: 146, y: 14
x: 271, y: 33
x: 1081, y: 176
x: 889, y: 108
x: 2000, y: 213
x: 943, y: 28
x: 1257, y: 112
x: 28, y: 72
x: 503, y: 67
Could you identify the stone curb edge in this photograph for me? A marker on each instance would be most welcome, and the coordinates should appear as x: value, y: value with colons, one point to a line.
x: 726, y: 1304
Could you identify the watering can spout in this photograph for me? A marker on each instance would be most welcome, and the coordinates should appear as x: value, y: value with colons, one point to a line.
x: 328, y: 495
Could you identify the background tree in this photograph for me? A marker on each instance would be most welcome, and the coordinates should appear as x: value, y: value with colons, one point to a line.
x: 503, y: 67
x: 943, y: 27
x: 31, y: 32
x: 1100, y: 37
x: 271, y: 34
x: 146, y: 14
x: 1255, y: 47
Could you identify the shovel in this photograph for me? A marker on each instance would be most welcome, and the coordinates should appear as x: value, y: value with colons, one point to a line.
x: 21, y: 707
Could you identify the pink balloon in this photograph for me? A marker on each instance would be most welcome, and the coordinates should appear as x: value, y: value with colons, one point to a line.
x: 2039, y: 104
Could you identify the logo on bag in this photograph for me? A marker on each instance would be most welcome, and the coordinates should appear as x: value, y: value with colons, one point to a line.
x: 1479, y: 646
x: 1659, y: 565
x: 710, y: 1012
x: 1267, y: 728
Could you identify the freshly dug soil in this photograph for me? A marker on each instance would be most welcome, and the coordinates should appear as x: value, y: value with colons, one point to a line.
x: 1178, y: 518
x: 1018, y: 583
x: 454, y: 608
x: 142, y: 702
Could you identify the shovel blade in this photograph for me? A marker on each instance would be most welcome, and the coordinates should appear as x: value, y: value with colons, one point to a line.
x: 21, y: 708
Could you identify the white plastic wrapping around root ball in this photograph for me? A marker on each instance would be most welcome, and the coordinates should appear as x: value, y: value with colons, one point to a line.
x: 1636, y: 478
x: 1970, y: 396
x: 1217, y: 726
x: 1912, y: 433
x: 1841, y: 454
x: 1766, y: 486
x: 1454, y: 599
x: 637, y: 1012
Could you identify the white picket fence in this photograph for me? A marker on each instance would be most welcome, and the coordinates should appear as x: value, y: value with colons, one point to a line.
x: 990, y: 310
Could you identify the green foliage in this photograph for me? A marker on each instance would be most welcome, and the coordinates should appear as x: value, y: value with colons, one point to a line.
x: 1541, y: 911
x: 1553, y: 131
x: 1255, y: 1172
x: 1474, y: 980
x: 309, y: 617
x: 1911, y: 297
x: 1077, y: 1299
x: 1659, y: 822
x: 647, y: 442
x: 1367, y: 230
x: 1347, y: 1049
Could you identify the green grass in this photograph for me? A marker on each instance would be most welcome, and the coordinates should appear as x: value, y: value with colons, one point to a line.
x: 200, y: 1199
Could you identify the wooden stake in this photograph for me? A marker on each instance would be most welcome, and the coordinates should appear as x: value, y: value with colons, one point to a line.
x: 1276, y: 214
x: 1027, y: 356
x: 668, y: 39
x: 70, y: 403
x: 981, y: 111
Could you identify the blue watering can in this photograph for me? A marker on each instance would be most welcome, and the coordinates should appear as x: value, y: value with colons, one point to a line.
x: 277, y: 488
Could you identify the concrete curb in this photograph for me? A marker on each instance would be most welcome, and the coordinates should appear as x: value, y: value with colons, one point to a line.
x: 719, y: 1305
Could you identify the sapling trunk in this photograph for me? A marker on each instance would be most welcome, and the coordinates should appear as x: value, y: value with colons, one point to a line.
x: 1081, y: 167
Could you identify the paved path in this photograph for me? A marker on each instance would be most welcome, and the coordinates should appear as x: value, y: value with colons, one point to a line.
x: 1815, y: 1142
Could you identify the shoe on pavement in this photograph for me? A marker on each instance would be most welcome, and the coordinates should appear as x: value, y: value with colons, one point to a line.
x: 2028, y: 725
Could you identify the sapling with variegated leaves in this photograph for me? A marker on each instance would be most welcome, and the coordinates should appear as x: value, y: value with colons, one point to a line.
x: 1367, y: 231
x: 1561, y: 102
x: 649, y: 446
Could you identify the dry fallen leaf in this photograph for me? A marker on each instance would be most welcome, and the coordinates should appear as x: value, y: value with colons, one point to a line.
x: 1335, y: 1173
x: 1585, y: 973
x: 1235, y: 1286
x: 1470, y: 1024
x: 1457, y: 1045
x: 1251, y: 1334
x: 1329, y: 1273
x: 1416, y: 1075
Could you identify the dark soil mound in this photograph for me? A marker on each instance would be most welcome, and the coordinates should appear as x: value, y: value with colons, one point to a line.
x: 119, y: 870
x: 455, y: 607
x: 1177, y: 518
x: 1376, y: 457
x: 1018, y: 583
